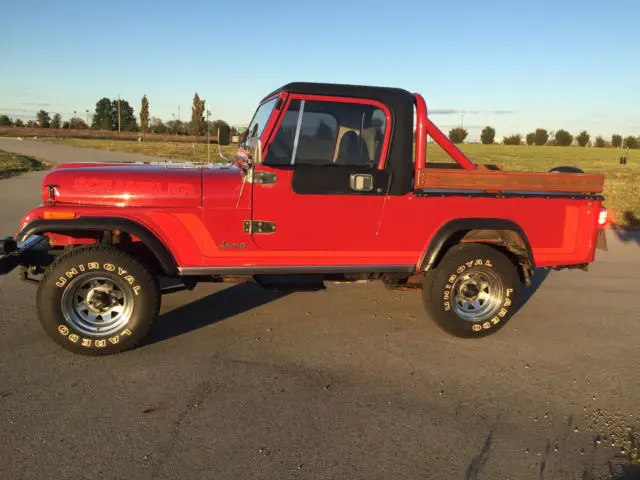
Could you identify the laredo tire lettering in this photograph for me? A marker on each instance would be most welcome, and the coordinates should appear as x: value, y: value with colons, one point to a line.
x: 80, y: 265
x: 459, y: 261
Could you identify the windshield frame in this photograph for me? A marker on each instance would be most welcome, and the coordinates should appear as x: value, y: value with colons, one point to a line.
x: 246, y: 136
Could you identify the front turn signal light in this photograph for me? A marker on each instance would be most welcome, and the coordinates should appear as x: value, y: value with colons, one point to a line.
x: 59, y: 215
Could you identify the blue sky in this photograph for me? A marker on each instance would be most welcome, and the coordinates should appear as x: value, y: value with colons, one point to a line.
x: 510, y: 64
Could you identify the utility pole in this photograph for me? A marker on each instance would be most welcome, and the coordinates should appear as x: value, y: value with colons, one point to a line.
x: 118, y: 114
x: 87, y: 117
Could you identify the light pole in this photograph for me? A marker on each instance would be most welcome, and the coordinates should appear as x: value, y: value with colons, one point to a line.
x: 74, y: 116
x: 87, y: 117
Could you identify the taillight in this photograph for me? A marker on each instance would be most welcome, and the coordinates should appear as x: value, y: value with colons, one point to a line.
x: 602, y: 217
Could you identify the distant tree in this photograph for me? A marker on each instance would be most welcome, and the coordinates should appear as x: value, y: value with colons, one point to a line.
x: 458, y: 134
x: 106, y: 115
x: 128, y: 122
x: 18, y: 123
x: 56, y: 121
x: 616, y: 141
x: 564, y: 138
x: 43, y: 118
x: 541, y: 136
x: 144, y: 114
x: 5, y: 121
x: 32, y: 124
x: 512, y: 140
x: 157, y: 126
x: 102, y: 119
x: 65, y: 125
x: 488, y: 135
x: 583, y: 138
x: 197, y: 116
x: 531, y: 138
x: 77, y: 123
x: 176, y: 127
x: 631, y: 142
x: 600, y: 143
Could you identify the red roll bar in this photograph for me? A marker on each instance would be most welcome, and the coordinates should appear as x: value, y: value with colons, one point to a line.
x: 425, y: 127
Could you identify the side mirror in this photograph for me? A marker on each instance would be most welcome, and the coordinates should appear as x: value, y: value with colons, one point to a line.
x: 224, y: 135
x: 255, y: 146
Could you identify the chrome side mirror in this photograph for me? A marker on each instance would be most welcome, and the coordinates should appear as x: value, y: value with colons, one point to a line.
x: 254, y: 145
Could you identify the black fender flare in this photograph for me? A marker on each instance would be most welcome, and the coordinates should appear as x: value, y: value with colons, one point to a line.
x: 160, y: 251
x: 450, y: 229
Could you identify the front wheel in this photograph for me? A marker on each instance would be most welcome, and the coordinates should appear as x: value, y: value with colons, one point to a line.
x: 97, y: 301
x: 473, y: 292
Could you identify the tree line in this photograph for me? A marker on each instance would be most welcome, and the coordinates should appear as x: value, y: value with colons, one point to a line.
x: 118, y: 115
x: 541, y: 136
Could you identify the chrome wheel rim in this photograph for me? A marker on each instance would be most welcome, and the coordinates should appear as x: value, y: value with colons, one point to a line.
x: 478, y: 294
x: 97, y: 305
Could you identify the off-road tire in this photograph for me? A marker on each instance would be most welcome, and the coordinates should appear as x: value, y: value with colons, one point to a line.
x: 468, y: 269
x: 73, y: 280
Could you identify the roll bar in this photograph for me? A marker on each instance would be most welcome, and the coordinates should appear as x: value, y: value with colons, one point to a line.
x: 425, y: 127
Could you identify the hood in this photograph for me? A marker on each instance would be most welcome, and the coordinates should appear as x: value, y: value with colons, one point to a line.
x: 126, y: 185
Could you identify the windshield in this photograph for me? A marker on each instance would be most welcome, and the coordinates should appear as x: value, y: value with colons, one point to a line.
x: 260, y: 119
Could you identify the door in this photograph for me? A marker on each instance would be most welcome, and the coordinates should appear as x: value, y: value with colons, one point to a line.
x: 322, y: 184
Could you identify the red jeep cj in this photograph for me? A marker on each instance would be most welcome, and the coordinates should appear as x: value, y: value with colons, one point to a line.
x: 334, y: 187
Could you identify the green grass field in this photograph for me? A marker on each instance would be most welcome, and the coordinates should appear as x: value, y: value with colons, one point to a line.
x: 14, y: 164
x: 622, y: 184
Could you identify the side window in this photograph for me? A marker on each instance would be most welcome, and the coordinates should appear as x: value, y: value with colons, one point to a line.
x: 328, y: 133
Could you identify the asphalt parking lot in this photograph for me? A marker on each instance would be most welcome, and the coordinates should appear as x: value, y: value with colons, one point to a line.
x: 344, y: 383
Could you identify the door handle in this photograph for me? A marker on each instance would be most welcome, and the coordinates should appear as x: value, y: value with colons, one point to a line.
x: 361, y: 182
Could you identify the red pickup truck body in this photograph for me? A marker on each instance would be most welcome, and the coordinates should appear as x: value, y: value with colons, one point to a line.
x: 395, y: 214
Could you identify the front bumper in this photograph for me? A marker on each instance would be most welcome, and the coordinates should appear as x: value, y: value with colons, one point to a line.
x: 12, y: 254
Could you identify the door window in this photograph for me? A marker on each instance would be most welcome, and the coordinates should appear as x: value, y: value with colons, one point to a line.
x: 328, y: 133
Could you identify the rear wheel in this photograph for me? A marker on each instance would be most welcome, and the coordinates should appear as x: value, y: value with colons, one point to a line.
x: 97, y: 301
x: 473, y: 292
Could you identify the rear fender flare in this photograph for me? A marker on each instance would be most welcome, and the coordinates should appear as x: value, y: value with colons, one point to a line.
x: 158, y: 248
x: 454, y: 230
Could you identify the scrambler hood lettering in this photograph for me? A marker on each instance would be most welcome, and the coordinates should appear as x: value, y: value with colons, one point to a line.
x: 126, y: 186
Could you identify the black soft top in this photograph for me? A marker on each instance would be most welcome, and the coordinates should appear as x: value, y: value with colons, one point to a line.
x: 399, y: 101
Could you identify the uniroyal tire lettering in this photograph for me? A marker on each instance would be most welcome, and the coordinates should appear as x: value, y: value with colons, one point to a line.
x: 136, y: 290
x: 502, y: 313
x: 61, y: 282
x: 447, y: 306
x: 495, y: 320
x: 81, y: 268
x: 74, y: 338
x: 86, y: 342
x: 476, y: 327
x: 507, y: 303
x: 469, y: 264
x: 63, y: 330
x: 509, y: 291
x: 93, y: 266
x: 121, y: 271
x: 115, y: 339
x: 72, y: 273
x: 109, y: 267
x: 486, y: 325
x: 479, y: 262
x: 447, y: 294
x: 130, y: 279
x: 126, y: 332
x: 461, y: 269
x: 101, y: 343
x: 452, y: 278
x: 488, y: 264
